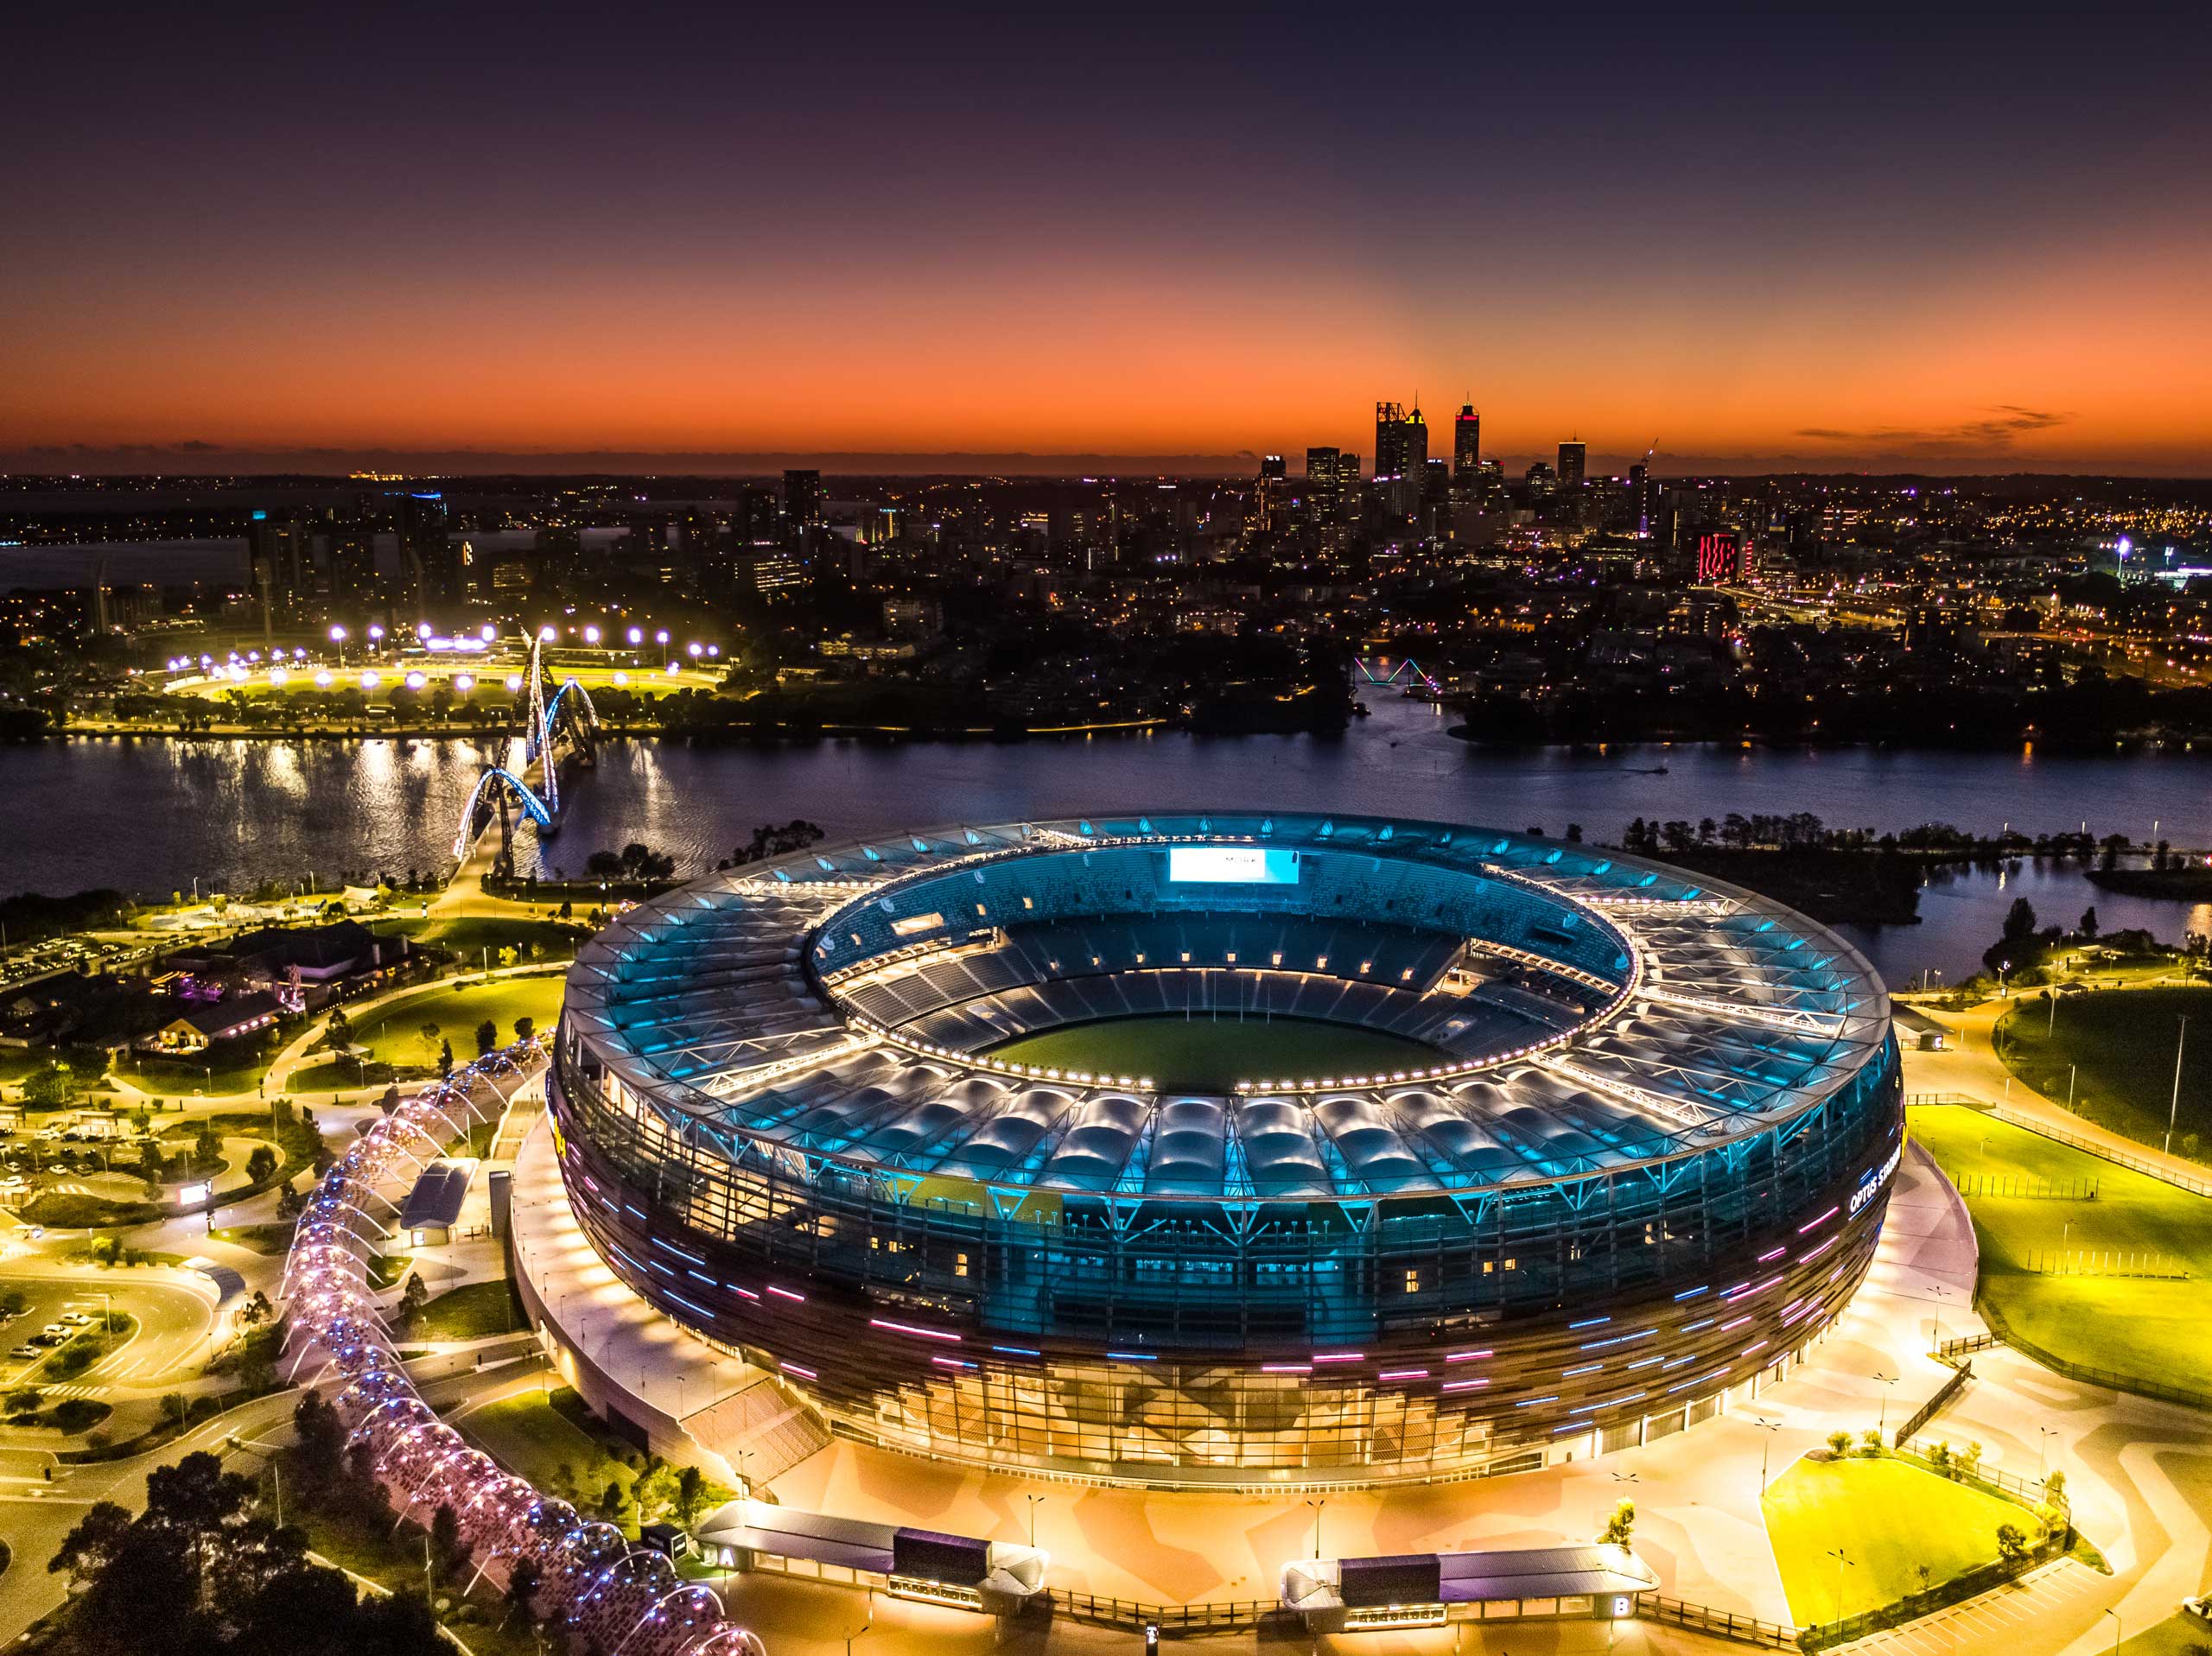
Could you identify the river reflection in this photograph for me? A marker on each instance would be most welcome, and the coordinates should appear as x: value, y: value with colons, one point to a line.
x: 150, y: 815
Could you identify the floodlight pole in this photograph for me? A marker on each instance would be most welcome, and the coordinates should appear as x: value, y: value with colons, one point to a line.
x: 2173, y: 1109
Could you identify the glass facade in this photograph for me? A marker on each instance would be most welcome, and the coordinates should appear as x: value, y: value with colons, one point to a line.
x: 1189, y: 1342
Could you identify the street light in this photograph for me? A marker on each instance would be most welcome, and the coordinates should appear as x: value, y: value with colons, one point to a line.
x: 1769, y: 1427
x: 1889, y: 1382
x: 864, y: 1626
x: 1317, y: 1506
x: 2114, y: 1614
x: 1033, y: 1501
x: 1843, y: 1562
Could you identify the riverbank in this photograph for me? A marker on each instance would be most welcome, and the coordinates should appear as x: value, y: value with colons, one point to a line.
x: 2171, y: 885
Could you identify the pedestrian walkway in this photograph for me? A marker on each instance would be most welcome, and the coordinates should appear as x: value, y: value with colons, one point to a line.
x: 74, y: 1389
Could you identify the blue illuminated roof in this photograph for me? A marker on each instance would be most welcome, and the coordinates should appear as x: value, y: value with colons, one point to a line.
x: 1608, y: 1011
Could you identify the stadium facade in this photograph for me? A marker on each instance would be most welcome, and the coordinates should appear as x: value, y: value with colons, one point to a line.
x: 1646, y: 1165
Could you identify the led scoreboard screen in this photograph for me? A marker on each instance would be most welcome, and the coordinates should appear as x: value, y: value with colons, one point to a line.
x: 1221, y: 864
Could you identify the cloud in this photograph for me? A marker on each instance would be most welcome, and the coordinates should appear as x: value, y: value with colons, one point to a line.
x: 1994, y: 431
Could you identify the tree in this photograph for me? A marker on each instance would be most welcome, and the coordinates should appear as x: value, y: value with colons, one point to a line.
x: 447, y: 1544
x: 488, y: 1037
x: 524, y: 1028
x: 2087, y: 925
x: 612, y: 1501
x: 430, y: 1037
x: 524, y: 1579
x: 2054, y: 1485
x: 261, y: 1164
x: 413, y: 1297
x: 94, y: 1544
x: 445, y: 1059
x: 1840, y: 1444
x: 319, y: 1435
x: 691, y: 1495
x: 1621, y: 1526
x: 50, y: 1088
x: 2012, y: 1543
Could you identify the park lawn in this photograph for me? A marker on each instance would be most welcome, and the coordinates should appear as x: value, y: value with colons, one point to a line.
x: 2149, y: 1327
x: 2121, y: 1045
x: 393, y: 1034
x: 468, y: 935
x: 261, y: 1239
x: 337, y: 1075
x: 470, y: 1312
x: 535, y: 1441
x: 371, y: 1547
x: 1889, y: 1517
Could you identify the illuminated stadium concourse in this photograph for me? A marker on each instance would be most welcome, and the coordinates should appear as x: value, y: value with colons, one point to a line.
x: 1608, y: 1140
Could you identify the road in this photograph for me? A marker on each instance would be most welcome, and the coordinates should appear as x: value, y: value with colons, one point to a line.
x: 173, y: 1323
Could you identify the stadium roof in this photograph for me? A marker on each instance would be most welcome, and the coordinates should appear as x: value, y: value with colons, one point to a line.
x: 1726, y: 1014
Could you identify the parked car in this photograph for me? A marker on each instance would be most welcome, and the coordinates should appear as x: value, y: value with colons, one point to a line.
x: 26, y: 1351
x: 78, y: 1319
x: 43, y: 1338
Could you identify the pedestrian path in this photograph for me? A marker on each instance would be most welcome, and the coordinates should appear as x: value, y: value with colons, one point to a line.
x: 72, y: 1389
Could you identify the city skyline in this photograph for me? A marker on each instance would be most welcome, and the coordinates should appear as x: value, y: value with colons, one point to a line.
x: 1770, y: 244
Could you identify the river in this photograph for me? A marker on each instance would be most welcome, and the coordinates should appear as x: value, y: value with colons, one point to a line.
x: 150, y: 815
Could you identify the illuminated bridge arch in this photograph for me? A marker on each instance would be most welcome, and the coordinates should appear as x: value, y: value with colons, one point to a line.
x: 493, y: 790
x: 1406, y: 668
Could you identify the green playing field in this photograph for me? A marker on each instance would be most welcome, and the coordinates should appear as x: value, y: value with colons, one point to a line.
x: 2061, y: 1272
x: 1207, y: 1054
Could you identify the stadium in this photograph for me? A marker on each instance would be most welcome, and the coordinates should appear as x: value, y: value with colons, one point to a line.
x: 1232, y: 1150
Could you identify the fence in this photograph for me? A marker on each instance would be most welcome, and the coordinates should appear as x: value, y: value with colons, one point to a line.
x: 2096, y: 1147
x: 1969, y: 1584
x: 2105, y: 1262
x: 1725, y: 1624
x: 1168, y: 1618
x: 2020, y: 1184
x: 2088, y: 1374
x: 2029, y: 1491
x: 1927, y: 1412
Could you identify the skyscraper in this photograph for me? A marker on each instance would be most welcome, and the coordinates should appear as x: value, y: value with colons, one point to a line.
x: 1390, y: 440
x: 1400, y: 456
x: 1467, y: 442
x: 803, y: 502
x: 1573, y: 456
x: 1323, y: 497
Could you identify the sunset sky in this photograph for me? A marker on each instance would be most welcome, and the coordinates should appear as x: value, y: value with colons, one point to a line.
x: 274, y: 237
